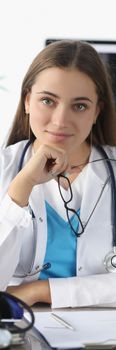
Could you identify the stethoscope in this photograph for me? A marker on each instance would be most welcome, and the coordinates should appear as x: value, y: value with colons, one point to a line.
x: 110, y: 258
x: 11, y: 310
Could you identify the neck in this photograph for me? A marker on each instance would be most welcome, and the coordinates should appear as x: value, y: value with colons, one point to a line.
x: 81, y: 157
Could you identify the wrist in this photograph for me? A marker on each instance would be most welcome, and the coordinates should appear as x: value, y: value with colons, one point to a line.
x: 42, y: 293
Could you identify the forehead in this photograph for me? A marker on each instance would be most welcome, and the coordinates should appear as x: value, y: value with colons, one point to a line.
x: 65, y: 80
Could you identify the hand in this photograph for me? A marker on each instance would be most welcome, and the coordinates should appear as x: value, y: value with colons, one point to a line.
x: 45, y: 163
x: 32, y: 292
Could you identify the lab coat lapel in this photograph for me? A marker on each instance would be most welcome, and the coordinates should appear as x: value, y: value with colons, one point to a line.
x: 95, y: 179
x: 37, y: 204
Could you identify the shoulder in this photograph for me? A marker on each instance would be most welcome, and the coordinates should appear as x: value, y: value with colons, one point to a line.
x: 12, y: 152
x: 111, y: 152
x: 97, y: 154
x: 12, y: 149
x: 9, y: 163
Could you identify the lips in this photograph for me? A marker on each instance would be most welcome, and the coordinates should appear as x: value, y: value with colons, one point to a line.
x: 59, y: 134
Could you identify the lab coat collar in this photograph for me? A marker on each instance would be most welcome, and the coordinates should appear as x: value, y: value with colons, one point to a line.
x: 96, y: 177
x: 100, y: 167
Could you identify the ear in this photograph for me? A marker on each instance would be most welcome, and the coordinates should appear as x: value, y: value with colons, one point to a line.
x: 27, y: 103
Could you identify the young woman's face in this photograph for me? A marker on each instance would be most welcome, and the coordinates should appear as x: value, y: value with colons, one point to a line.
x: 63, y: 106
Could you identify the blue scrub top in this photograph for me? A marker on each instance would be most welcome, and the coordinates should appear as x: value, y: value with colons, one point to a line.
x: 61, y: 246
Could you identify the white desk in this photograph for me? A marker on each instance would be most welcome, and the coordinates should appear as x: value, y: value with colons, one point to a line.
x: 34, y: 342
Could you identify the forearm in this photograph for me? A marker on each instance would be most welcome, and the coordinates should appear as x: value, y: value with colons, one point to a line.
x: 33, y: 292
x: 20, y: 189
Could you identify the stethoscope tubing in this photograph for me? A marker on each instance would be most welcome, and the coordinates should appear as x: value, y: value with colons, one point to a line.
x: 108, y: 260
x: 113, y: 184
x: 23, y: 155
x: 113, y: 193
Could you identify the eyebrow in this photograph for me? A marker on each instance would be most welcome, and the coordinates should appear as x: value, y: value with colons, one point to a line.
x: 74, y: 99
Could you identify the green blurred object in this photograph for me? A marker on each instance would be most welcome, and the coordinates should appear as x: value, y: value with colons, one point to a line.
x: 1, y: 86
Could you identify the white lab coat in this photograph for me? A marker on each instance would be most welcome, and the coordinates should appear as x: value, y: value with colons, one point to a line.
x: 92, y: 285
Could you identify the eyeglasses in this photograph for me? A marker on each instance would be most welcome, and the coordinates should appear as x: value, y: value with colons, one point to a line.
x: 80, y: 226
x: 68, y: 209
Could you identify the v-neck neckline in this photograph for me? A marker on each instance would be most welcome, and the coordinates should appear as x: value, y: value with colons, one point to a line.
x: 81, y: 174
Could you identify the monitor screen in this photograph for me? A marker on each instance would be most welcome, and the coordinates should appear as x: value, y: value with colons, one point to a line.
x: 107, y: 51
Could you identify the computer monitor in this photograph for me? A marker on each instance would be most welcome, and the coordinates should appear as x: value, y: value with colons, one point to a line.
x: 107, y: 50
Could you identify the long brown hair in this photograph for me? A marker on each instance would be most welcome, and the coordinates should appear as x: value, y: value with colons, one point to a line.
x: 70, y: 54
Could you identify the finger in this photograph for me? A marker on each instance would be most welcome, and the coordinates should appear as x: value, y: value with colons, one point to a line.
x: 60, y: 167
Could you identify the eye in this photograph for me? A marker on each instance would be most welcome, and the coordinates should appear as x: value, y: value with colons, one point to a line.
x: 47, y: 101
x: 79, y: 106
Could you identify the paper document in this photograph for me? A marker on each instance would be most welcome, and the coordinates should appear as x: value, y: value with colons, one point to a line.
x: 89, y: 327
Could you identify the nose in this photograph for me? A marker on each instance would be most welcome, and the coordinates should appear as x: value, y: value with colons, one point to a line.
x: 60, y: 116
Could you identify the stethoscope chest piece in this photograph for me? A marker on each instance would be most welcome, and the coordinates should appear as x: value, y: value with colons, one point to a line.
x: 110, y: 261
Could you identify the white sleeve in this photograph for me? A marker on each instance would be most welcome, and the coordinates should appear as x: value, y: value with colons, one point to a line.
x: 83, y: 291
x: 13, y: 219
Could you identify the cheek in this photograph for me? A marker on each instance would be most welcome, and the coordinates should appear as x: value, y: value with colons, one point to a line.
x: 84, y: 125
x: 38, y: 119
x: 90, y: 118
x: 85, y: 122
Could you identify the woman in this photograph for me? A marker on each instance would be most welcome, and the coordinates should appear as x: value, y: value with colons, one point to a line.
x: 67, y: 112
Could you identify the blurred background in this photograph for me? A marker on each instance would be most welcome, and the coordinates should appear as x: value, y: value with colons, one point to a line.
x: 25, y: 25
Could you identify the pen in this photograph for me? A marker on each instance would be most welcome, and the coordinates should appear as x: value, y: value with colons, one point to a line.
x: 37, y: 270
x: 41, y: 268
x: 95, y: 346
x: 61, y: 321
x: 44, y: 267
